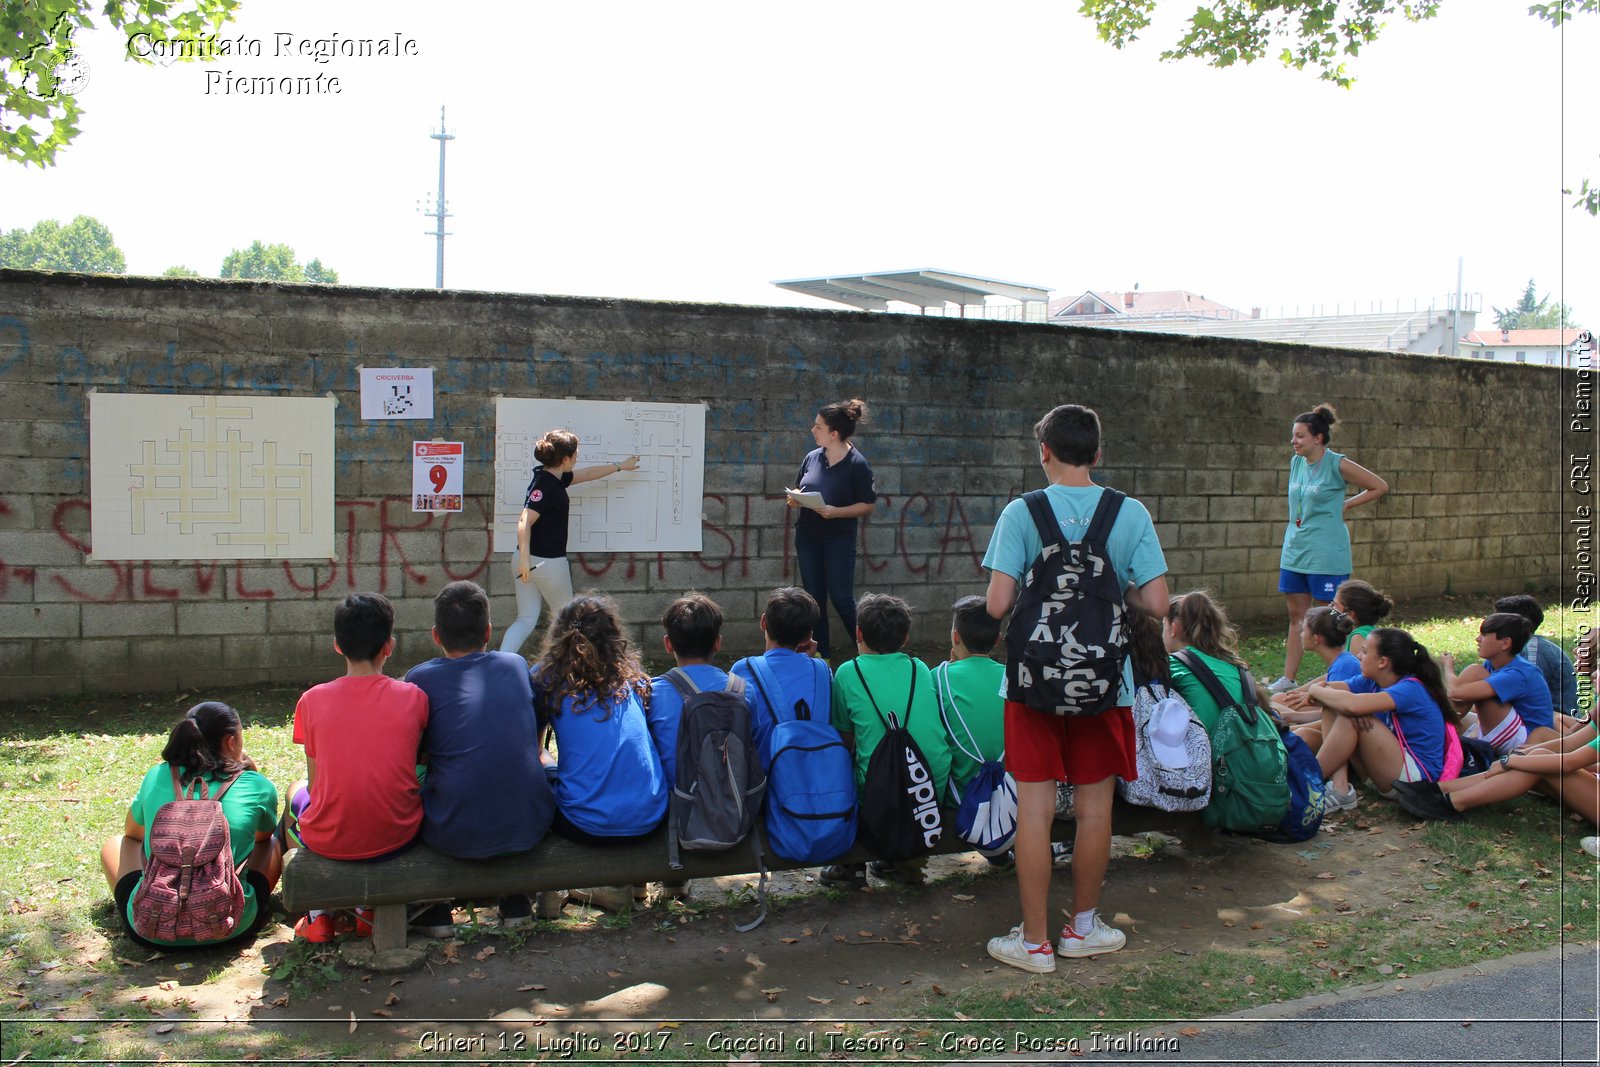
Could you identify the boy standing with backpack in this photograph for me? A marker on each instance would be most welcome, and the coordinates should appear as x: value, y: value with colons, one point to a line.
x: 1044, y: 747
x: 881, y: 683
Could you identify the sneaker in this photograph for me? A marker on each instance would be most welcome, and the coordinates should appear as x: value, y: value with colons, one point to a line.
x: 363, y: 922
x: 1010, y: 949
x: 1101, y: 939
x: 1283, y: 684
x: 1333, y: 800
x: 1061, y: 851
x: 1004, y: 860
x: 844, y: 875
x: 515, y: 911
x: 434, y: 920
x: 909, y: 873
x: 550, y: 904
x: 1418, y: 789
x: 1591, y: 845
x: 318, y: 931
x: 1425, y: 804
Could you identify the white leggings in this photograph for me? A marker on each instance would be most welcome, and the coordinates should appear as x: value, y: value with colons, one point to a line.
x: 551, y: 580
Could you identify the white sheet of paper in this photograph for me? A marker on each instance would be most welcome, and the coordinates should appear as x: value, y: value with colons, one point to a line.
x: 397, y: 392
x: 804, y: 499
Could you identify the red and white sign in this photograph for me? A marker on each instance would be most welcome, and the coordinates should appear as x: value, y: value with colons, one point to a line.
x: 438, y: 476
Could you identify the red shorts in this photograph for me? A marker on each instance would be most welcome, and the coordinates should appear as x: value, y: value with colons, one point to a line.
x: 1080, y: 749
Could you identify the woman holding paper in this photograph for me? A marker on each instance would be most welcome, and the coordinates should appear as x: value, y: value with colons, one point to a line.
x: 539, y: 562
x: 825, y: 533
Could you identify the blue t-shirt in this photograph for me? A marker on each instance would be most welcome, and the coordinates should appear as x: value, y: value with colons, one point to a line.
x: 1557, y: 670
x: 666, y: 708
x: 846, y: 482
x: 800, y: 677
x: 1421, y: 722
x: 1346, y: 668
x: 609, y: 781
x: 1520, y: 684
x: 1135, y: 550
x: 485, y: 793
x: 1316, y: 540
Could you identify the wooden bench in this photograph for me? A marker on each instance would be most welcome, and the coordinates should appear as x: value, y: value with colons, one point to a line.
x: 422, y: 875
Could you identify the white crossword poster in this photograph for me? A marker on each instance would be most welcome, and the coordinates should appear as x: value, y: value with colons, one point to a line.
x: 653, y: 509
x: 397, y: 392
x: 210, y: 477
x: 437, y: 476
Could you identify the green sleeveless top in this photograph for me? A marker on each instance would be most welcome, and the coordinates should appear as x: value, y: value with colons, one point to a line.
x: 1316, y: 540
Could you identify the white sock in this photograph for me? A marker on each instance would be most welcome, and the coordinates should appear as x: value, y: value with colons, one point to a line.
x: 1033, y: 946
x: 1083, y: 922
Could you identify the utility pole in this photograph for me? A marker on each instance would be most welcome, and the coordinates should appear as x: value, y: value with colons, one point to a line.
x: 439, y: 213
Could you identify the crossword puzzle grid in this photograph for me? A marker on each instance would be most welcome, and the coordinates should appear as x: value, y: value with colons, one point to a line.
x: 656, y: 507
x: 211, y: 477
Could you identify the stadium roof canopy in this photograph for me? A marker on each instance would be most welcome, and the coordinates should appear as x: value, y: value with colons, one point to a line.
x: 924, y: 288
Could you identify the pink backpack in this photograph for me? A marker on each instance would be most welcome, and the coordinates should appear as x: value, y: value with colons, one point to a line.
x: 191, y: 888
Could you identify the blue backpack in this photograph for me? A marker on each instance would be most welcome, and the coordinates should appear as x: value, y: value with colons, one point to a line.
x: 1307, y: 794
x: 811, y: 775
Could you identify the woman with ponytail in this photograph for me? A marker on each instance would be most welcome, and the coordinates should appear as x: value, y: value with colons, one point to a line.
x: 1199, y: 624
x: 825, y: 535
x: 206, y: 745
x: 1395, y: 723
x: 539, y: 568
x: 1316, y: 542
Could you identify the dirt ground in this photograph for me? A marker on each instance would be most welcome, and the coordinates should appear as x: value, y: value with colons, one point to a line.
x: 869, y: 956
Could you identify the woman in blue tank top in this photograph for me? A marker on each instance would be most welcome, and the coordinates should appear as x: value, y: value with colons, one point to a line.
x: 1316, y: 543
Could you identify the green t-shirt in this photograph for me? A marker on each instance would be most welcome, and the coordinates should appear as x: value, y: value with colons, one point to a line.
x: 973, y: 684
x: 250, y: 806
x: 889, y: 678
x: 1359, y: 632
x: 1190, y: 688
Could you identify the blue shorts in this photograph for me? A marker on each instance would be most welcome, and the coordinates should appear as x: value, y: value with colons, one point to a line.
x: 1320, y: 586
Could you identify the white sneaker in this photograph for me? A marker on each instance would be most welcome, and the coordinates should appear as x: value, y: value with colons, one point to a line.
x: 1591, y: 845
x: 1010, y: 949
x: 1101, y: 939
x: 1282, y: 685
x: 1333, y: 800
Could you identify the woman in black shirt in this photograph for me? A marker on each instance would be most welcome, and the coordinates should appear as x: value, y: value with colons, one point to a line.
x: 539, y: 562
x: 825, y: 537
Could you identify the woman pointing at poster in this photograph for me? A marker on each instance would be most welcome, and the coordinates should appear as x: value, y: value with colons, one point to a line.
x: 539, y: 562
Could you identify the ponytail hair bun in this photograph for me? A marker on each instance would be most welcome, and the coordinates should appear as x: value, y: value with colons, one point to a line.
x: 1319, y: 421
x: 554, y: 447
x: 842, y: 416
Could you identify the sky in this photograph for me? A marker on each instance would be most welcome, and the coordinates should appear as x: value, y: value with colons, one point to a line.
x: 700, y: 150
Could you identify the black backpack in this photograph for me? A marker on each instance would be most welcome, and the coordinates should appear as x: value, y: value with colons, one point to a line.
x: 1064, y: 644
x: 900, y: 815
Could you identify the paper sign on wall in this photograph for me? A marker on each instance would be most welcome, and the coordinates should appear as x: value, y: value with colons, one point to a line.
x: 397, y: 392
x: 437, y: 477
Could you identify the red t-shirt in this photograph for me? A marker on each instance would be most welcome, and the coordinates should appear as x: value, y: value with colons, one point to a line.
x: 363, y: 732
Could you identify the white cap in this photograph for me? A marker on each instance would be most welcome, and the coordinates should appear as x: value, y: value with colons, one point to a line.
x: 1167, y: 730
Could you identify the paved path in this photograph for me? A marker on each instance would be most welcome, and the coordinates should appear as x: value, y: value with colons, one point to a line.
x: 1536, y: 1007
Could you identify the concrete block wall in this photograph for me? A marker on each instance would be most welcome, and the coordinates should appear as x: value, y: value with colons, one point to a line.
x: 1195, y: 427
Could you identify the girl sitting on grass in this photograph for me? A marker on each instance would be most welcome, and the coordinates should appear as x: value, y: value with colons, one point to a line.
x: 1366, y: 607
x: 1396, y: 725
x: 205, y: 752
x: 1325, y: 632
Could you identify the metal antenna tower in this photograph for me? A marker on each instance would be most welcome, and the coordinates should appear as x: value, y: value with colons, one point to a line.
x: 438, y: 211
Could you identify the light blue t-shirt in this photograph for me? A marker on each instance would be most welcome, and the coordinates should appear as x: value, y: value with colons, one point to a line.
x: 1135, y: 551
x: 1316, y: 540
x: 666, y: 709
x: 1520, y: 684
x: 800, y: 677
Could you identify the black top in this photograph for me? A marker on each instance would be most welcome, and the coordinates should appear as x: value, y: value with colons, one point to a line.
x: 547, y: 498
x: 846, y: 482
